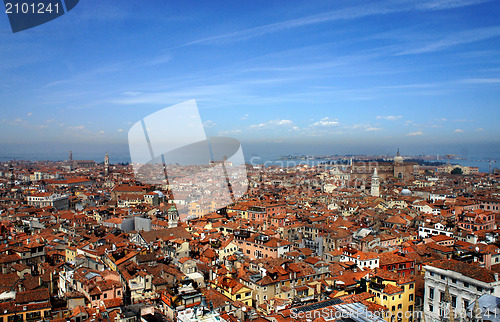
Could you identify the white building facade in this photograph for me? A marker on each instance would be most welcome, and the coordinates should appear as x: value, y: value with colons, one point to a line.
x: 465, y: 282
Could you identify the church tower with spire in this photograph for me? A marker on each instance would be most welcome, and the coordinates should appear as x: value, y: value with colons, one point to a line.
x: 375, y: 188
x: 106, y: 165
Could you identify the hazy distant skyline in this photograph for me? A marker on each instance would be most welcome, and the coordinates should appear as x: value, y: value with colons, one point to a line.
x: 315, y: 78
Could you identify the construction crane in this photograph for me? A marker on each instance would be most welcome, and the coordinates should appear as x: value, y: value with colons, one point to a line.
x: 491, y: 161
x: 448, y: 156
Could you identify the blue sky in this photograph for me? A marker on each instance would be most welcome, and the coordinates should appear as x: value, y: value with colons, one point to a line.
x: 320, y: 77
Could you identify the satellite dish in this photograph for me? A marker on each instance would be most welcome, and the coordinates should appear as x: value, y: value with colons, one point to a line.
x: 244, y: 309
x: 477, y: 249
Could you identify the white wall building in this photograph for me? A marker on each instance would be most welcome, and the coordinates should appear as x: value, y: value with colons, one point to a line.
x: 361, y: 259
x: 465, y: 282
x: 45, y: 199
x: 430, y: 229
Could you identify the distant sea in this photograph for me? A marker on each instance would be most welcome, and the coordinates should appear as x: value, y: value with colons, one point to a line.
x: 119, y: 157
x: 480, y: 162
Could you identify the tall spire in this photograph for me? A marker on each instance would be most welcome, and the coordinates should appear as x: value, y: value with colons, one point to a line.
x: 447, y: 303
x: 476, y: 311
x: 447, y: 296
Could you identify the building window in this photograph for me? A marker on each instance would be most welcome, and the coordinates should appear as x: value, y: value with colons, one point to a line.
x: 466, y: 284
x: 431, y: 308
x: 411, y: 297
x: 431, y: 293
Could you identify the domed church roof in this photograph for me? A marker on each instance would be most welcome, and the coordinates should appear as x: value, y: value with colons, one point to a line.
x: 398, y: 159
x: 405, y: 192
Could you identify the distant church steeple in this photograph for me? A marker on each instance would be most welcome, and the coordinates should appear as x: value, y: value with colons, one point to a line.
x: 106, y: 165
x: 375, y: 184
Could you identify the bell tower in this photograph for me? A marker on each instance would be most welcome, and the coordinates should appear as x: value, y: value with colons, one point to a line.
x: 106, y: 165
x: 375, y: 188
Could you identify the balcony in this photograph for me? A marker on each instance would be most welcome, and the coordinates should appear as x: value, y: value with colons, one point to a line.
x: 379, y: 287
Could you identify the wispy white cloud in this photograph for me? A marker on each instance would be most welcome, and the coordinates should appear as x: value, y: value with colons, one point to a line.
x: 480, y: 81
x: 230, y: 132
x: 272, y: 123
x: 413, y: 86
x: 455, y: 39
x: 325, y: 122
x: 284, y: 122
x: 158, y: 60
x: 458, y: 131
x: 342, y: 14
x: 350, y: 13
x: 209, y: 123
x: 77, y: 128
x: 446, y: 4
x: 389, y: 117
x: 417, y: 133
x: 19, y: 122
x: 371, y: 129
